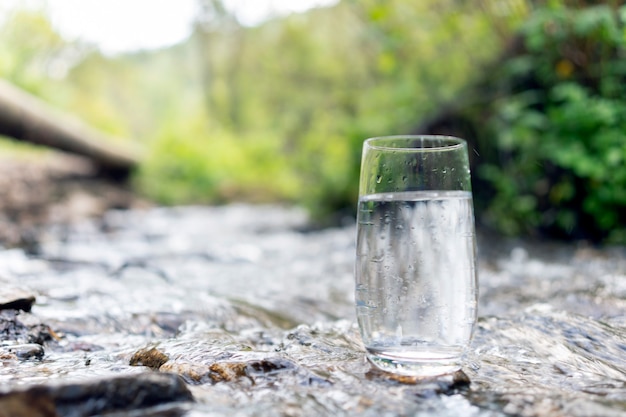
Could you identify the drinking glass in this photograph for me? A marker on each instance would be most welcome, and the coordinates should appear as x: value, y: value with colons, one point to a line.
x: 416, y: 283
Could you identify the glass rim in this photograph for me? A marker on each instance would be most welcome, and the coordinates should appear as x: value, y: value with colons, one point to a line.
x: 446, y: 142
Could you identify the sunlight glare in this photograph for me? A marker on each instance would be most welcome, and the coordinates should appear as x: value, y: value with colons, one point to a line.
x: 128, y: 25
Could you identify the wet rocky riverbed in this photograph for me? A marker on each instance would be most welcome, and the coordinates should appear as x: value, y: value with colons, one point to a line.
x: 241, y: 310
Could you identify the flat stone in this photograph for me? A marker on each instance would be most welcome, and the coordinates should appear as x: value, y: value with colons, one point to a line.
x: 26, y: 351
x: 102, y: 396
x: 193, y: 374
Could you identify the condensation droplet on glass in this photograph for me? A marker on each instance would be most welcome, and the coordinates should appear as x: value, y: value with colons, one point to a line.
x: 377, y: 259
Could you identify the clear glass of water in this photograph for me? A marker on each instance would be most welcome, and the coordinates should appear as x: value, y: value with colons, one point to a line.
x: 416, y: 283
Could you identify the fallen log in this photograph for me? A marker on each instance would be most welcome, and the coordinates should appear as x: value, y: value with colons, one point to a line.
x: 26, y: 118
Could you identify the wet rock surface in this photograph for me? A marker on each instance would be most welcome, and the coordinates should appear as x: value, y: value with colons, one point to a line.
x: 53, y: 188
x: 257, y: 318
x: 142, y: 392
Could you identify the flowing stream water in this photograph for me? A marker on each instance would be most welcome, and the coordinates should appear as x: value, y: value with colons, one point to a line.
x: 257, y: 315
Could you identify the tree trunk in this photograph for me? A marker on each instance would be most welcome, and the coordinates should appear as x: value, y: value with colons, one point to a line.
x: 26, y: 118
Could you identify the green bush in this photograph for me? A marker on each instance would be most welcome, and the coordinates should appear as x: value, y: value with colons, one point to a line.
x: 561, y: 134
x: 196, y: 163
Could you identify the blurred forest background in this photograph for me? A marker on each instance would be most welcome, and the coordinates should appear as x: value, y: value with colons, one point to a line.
x: 278, y: 112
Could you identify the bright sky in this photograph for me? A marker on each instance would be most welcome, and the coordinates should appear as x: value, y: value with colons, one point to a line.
x: 125, y: 25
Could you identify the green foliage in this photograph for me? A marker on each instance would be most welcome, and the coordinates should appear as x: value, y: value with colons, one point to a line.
x: 560, y: 137
x: 30, y: 51
x: 187, y: 165
x: 279, y: 112
x: 36, y: 58
x: 320, y: 83
x: 276, y: 112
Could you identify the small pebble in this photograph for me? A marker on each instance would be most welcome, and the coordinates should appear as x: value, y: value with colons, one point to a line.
x: 26, y: 351
x: 152, y: 358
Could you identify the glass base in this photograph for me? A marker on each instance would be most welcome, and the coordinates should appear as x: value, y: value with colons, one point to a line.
x: 415, y: 363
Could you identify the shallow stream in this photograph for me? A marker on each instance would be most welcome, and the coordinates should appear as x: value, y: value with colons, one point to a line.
x: 257, y: 316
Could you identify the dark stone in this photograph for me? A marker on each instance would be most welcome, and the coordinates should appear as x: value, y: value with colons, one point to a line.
x: 269, y: 366
x: 12, y: 328
x: 120, y: 394
x: 15, y: 298
x: 27, y: 404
